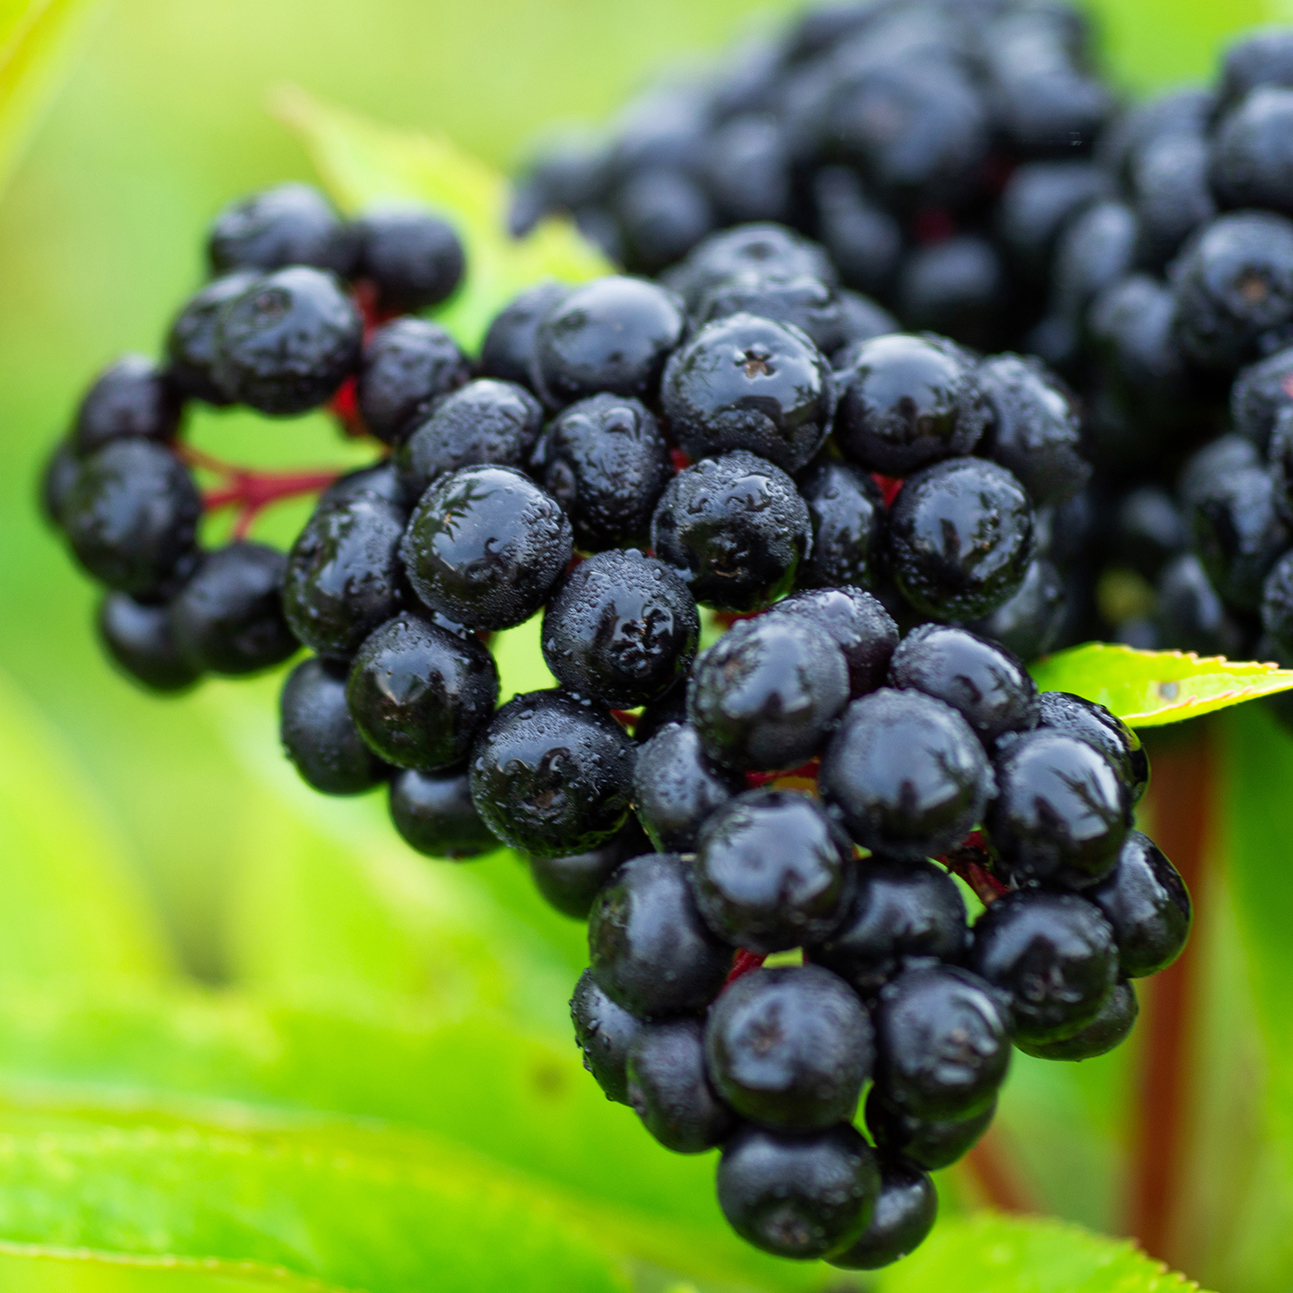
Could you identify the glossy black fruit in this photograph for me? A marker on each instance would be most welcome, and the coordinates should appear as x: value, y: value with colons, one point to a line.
x: 931, y: 1143
x: 319, y: 735
x: 863, y: 238
x: 1277, y: 605
x: 1239, y: 531
x: 1111, y: 1027
x: 138, y: 637
x: 508, y: 351
x: 903, y: 1215
x: 857, y: 622
x: 485, y: 545
x: 1258, y: 395
x: 847, y: 514
x: 412, y: 257
x: 1252, y: 163
x: 551, y: 776
x: 1093, y: 723
x: 290, y: 224
x: 571, y: 883
x: 131, y: 398
x: 669, y: 1090
x: 659, y: 215
x: 57, y: 481
x: 957, y: 287
x: 1148, y: 906
x: 191, y: 342
x: 766, y: 248
x: 434, y: 814
x: 1030, y: 623
x: 604, y: 1032
x: 809, y: 304
x: 380, y: 482
x: 676, y: 787
x: 406, y: 366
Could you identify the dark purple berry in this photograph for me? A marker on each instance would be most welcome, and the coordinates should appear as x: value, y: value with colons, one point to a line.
x: 676, y: 787
x: 571, y: 883
x: 904, y: 1214
x: 1148, y: 906
x: 138, y: 637
x: 604, y: 1032
x: 857, y: 622
x: 931, y: 1143
x: 319, y: 735
x: 412, y: 257
x: 291, y: 224
x: 848, y: 526
x: 191, y: 342
x: 508, y: 351
x: 131, y: 398
x: 670, y: 1091
x: 406, y: 366
x: 434, y: 814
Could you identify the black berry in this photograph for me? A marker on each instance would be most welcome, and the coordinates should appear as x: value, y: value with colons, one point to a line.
x: 191, y: 342
x: 131, y: 398
x: 1094, y: 724
x: 1148, y: 906
x: 138, y: 637
x: 669, y: 1090
x: 1110, y: 1027
x: 847, y: 513
x: 291, y: 224
x: 931, y: 1143
x: 604, y: 1033
x: 676, y: 787
x: 319, y: 735
x: 571, y: 883
x: 508, y: 351
x: 434, y: 814
x: 412, y: 257
x: 904, y: 1214
x: 405, y: 367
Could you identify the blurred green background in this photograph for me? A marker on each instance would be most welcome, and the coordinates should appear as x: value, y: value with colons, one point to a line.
x: 162, y: 120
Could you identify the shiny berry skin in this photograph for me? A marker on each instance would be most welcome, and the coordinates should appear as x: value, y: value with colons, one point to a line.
x: 941, y: 1043
x: 857, y: 622
x: 434, y: 814
x: 809, y: 304
x: 1039, y: 200
x: 287, y: 342
x: 734, y: 528
x: 406, y: 365
x: 960, y: 538
x: 412, y: 257
x: 1252, y: 164
x: 132, y: 514
x: 131, y: 398
x: 228, y: 618
x: 763, y: 248
x: 669, y: 1090
x: 138, y: 637
x: 551, y: 776
x: 990, y: 687
x: 604, y: 1032
x: 486, y: 423
x: 863, y: 318
x: 906, y: 774
x: 1234, y: 290
x: 904, y: 1214
x: 1030, y: 623
x: 191, y: 341
x: 1093, y: 723
x: 621, y: 628
x: 290, y: 224
x: 1096, y: 249
x: 676, y: 788
x: 746, y: 382
x: 931, y: 1143
x: 1194, y: 616
x: 571, y: 883
x: 485, y: 545
x: 906, y: 402
x: 1053, y: 954
x: 1173, y: 198
x: 508, y: 351
x: 1260, y: 57
x: 863, y: 239
x: 380, y: 482
x: 419, y: 694
x: 1239, y: 533
x: 659, y: 215
x: 1033, y: 428
x: 1258, y: 396
x: 650, y: 950
x: 1062, y: 810
x: 772, y: 871
x: 765, y: 696
x: 1148, y: 906
x: 606, y: 461
x: 318, y: 734
x: 344, y: 576
x: 613, y: 334
x: 848, y: 525
x: 902, y: 913
x: 798, y: 1196
x: 1110, y: 1027
x: 1277, y: 605
x: 957, y: 287
x: 789, y: 1048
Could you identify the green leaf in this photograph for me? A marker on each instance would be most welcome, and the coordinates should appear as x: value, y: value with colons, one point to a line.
x: 40, y: 40
x: 991, y: 1254
x: 70, y: 906
x: 362, y: 163
x: 1153, y: 688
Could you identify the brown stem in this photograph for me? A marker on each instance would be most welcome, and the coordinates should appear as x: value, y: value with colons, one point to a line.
x: 1181, y: 800
x: 994, y: 1177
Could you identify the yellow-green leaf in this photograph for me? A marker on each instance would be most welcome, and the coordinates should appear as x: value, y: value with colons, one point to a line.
x: 362, y: 162
x: 1152, y: 688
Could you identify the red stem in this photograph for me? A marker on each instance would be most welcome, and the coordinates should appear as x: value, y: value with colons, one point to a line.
x: 742, y: 963
x: 994, y: 1176
x: 1182, y: 813
x: 973, y: 863
x: 248, y: 491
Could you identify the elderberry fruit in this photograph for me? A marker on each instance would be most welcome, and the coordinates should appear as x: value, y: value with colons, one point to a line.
x: 138, y: 637
x: 1110, y: 1027
x: 676, y: 787
x: 606, y: 461
x: 846, y: 511
x: 379, y: 482
x: 485, y: 423
x: 763, y: 248
x: 343, y: 575
x: 571, y: 883
x: 228, y: 618
x: 508, y: 351
x: 906, y: 402
x: 551, y: 776
x: 613, y: 334
x: 290, y: 224
x: 956, y: 287
x: 986, y: 684
x: 658, y: 214
x: 863, y: 318
x: 1259, y: 394
x: 320, y: 736
x: 57, y: 481
x: 434, y: 814
x: 863, y: 239
x: 858, y: 624
x: 734, y: 528
x: 419, y: 694
x: 1039, y: 200
x: 960, y: 538
x: 191, y: 342
x: 1252, y: 165
x: 1093, y: 723
x: 1277, y: 605
x: 621, y: 628
x: 1239, y: 533
x: 901, y: 914
x: 1148, y: 906
x: 132, y: 514
x: 287, y: 342
x: 1262, y: 57
x: 903, y: 1215
x: 931, y: 1143
x: 906, y: 774
x: 131, y: 398
x: 485, y: 545
x: 411, y: 257
x: 604, y: 1033
x: 772, y: 871
x: 765, y: 695
x: 649, y: 949
x: 406, y: 366
x: 942, y: 1043
x: 809, y: 304
x: 1053, y: 954
x: 670, y: 1091
x: 1194, y: 617
x: 1030, y: 623
x: 798, y: 1196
